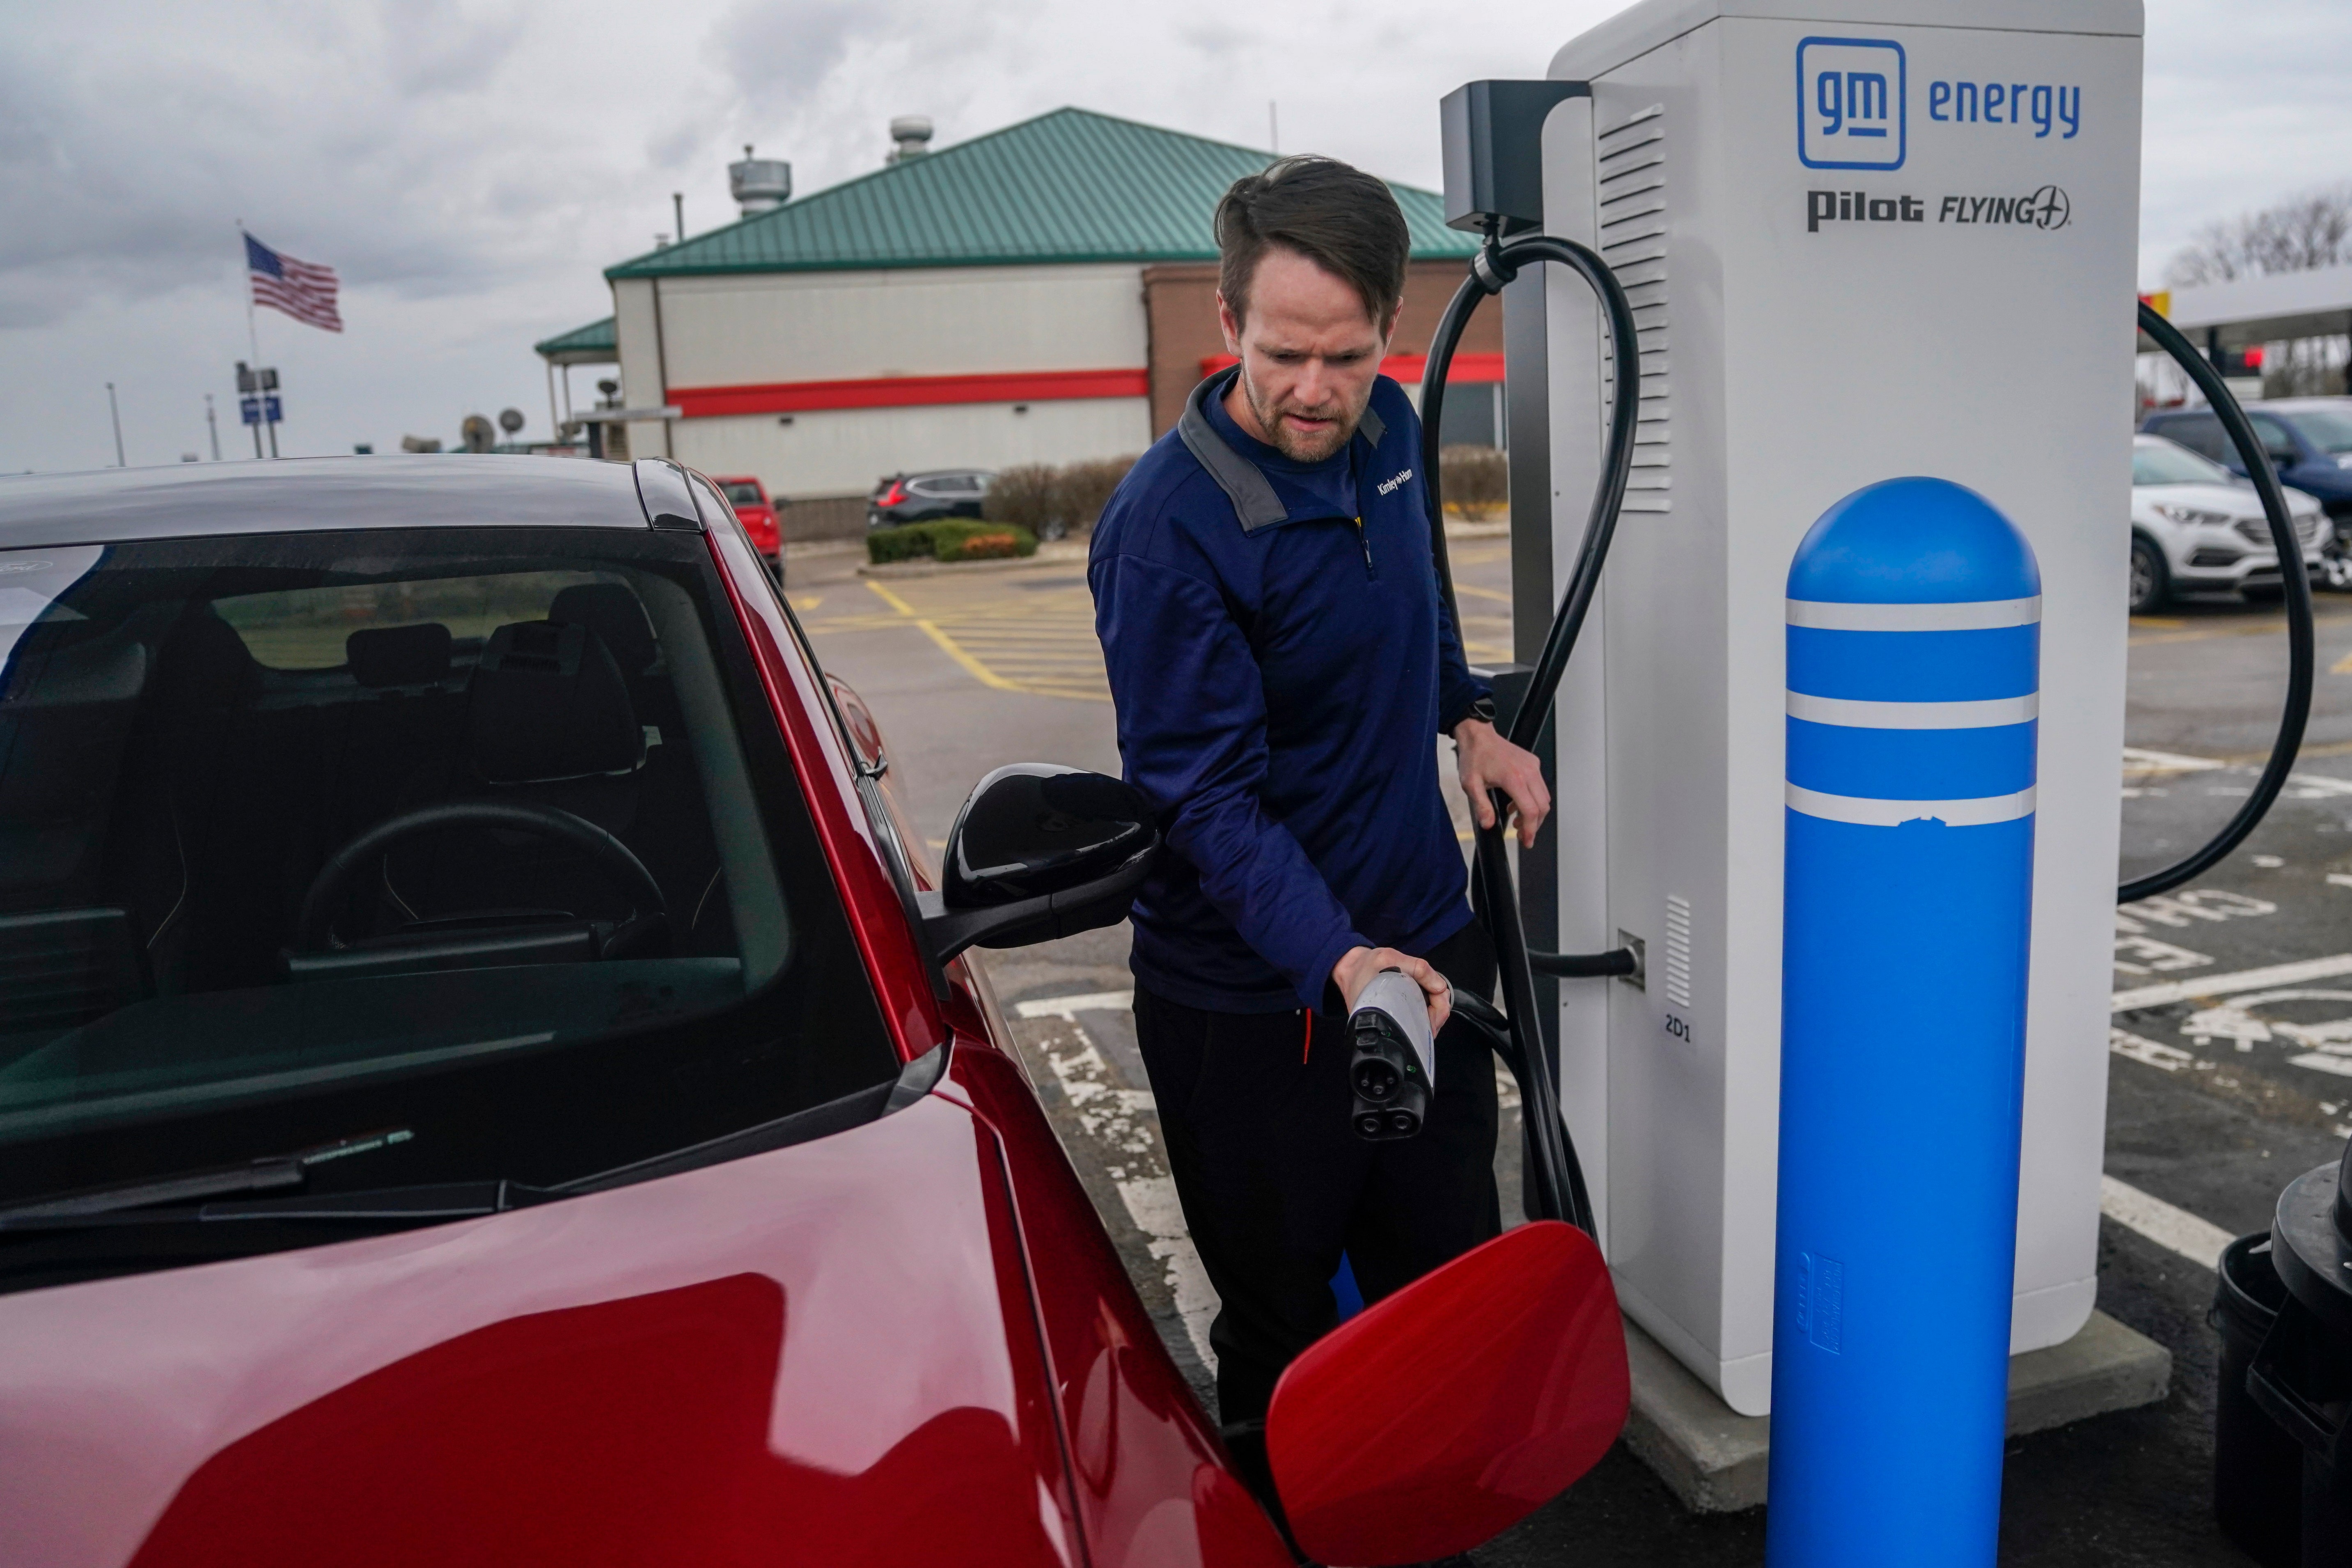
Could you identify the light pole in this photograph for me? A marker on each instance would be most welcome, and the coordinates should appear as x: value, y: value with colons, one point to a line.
x: 115, y: 409
x: 212, y: 426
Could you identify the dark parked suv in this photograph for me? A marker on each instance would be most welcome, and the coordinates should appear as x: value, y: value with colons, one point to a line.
x: 2310, y: 443
x: 922, y: 498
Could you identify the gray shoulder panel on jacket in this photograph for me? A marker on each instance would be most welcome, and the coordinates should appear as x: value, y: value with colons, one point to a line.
x: 1254, y: 499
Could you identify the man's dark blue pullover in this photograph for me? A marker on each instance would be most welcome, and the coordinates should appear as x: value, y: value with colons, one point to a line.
x: 1282, y: 666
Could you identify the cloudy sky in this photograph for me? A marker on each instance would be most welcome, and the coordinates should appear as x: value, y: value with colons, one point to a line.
x: 469, y: 166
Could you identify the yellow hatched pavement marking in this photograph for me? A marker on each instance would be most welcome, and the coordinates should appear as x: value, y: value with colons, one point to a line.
x: 948, y: 644
x: 1043, y: 645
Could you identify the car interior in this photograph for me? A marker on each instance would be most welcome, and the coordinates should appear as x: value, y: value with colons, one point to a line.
x: 265, y: 821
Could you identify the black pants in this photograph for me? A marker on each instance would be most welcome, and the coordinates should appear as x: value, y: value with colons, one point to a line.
x: 1277, y: 1185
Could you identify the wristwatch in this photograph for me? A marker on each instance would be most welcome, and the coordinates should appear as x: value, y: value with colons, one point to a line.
x: 1483, y: 710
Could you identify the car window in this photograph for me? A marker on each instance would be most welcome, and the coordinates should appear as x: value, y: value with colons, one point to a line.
x: 2275, y: 436
x: 484, y: 835
x: 2329, y: 429
x: 2200, y: 433
x: 2162, y: 463
x: 741, y: 494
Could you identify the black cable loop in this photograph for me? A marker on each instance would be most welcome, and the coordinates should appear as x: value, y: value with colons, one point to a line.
x: 1559, y: 1188
x: 2292, y: 579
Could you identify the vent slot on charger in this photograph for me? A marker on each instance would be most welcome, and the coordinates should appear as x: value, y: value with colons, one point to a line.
x: 1678, y: 950
x: 1630, y: 180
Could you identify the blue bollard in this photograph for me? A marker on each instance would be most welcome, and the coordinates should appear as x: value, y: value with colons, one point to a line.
x: 1914, y: 632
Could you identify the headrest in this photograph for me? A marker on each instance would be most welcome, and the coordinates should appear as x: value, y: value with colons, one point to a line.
x: 547, y: 702
x: 613, y: 613
x: 206, y: 663
x: 399, y: 656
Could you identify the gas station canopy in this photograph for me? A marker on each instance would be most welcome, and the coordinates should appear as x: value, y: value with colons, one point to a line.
x: 2244, y: 312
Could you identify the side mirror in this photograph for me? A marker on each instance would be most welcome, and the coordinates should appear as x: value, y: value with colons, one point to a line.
x: 1039, y: 851
x: 1439, y: 1417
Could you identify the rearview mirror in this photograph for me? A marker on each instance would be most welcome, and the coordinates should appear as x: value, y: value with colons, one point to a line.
x: 1039, y: 851
x: 1439, y: 1417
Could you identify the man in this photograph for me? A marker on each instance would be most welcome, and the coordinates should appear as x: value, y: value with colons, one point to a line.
x: 1283, y: 665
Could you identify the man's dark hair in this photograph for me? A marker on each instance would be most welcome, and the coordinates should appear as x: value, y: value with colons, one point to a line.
x: 1339, y: 217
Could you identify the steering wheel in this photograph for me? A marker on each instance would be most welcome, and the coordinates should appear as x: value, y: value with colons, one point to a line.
x: 314, y: 929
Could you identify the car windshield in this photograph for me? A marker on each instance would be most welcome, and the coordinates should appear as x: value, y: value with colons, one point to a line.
x: 2162, y: 463
x: 740, y: 494
x: 486, y: 835
x: 2329, y: 429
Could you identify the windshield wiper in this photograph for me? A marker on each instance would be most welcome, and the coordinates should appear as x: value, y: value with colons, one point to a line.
x: 151, y: 1192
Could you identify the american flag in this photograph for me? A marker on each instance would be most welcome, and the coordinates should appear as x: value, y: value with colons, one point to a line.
x: 303, y: 289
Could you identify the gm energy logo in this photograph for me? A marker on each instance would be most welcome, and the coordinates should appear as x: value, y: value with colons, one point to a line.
x: 1852, y: 104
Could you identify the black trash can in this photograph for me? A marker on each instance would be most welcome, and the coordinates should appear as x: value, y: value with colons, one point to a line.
x: 2302, y: 1375
x: 2257, y: 1467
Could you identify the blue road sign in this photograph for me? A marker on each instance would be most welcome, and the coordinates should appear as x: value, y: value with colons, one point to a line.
x: 251, y: 408
x: 270, y: 407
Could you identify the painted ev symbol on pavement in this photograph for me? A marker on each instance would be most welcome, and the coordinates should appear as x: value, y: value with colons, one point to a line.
x: 2327, y: 1046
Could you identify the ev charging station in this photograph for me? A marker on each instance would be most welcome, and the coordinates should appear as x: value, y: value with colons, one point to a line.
x: 1861, y: 239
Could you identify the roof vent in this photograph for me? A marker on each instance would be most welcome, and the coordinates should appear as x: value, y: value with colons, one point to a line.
x: 912, y: 132
x: 759, y: 185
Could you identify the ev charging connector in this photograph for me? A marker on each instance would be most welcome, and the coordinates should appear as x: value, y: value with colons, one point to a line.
x: 1395, y: 1063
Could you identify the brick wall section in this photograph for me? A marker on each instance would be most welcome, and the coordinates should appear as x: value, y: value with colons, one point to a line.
x: 1179, y: 305
x: 826, y: 517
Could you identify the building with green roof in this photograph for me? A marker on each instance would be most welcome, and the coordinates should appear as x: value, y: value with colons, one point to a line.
x: 1041, y: 293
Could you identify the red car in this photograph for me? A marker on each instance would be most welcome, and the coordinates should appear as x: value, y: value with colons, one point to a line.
x: 755, y: 511
x: 484, y: 1081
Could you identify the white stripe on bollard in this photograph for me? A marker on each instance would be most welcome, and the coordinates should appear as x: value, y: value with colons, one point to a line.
x: 1856, y: 713
x: 1865, y: 813
x: 1981, y: 615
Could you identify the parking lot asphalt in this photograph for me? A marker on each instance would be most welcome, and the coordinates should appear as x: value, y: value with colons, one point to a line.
x: 2231, y: 1051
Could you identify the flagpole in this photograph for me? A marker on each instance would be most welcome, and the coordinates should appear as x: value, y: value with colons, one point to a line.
x: 252, y: 333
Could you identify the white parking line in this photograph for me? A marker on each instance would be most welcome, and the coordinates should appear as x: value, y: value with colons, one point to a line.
x: 2223, y: 984
x: 2145, y: 762
x: 2178, y: 1230
x: 1122, y: 1120
x: 1071, y: 1007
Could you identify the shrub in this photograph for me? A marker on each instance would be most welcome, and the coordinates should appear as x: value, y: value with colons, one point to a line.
x: 1027, y: 496
x: 1476, y: 480
x: 911, y: 542
x: 1086, y: 488
x: 1050, y: 501
x: 986, y: 544
x: 949, y: 539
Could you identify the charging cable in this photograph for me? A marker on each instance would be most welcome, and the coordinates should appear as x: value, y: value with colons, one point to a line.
x: 1558, y: 1184
x: 2297, y: 584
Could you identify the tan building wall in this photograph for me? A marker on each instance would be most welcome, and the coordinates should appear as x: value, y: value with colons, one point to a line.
x: 1179, y: 305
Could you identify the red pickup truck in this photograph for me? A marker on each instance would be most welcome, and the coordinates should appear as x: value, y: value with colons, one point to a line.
x: 754, y: 511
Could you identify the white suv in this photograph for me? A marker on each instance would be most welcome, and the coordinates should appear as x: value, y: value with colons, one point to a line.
x: 2197, y: 528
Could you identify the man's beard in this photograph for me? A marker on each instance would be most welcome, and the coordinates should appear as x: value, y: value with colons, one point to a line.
x: 1299, y: 449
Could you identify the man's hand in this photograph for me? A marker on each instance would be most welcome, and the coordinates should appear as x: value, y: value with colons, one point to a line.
x: 1359, y: 965
x: 1487, y: 762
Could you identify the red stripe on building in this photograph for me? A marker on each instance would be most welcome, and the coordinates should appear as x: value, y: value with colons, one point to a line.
x: 909, y: 392
x: 1404, y: 367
